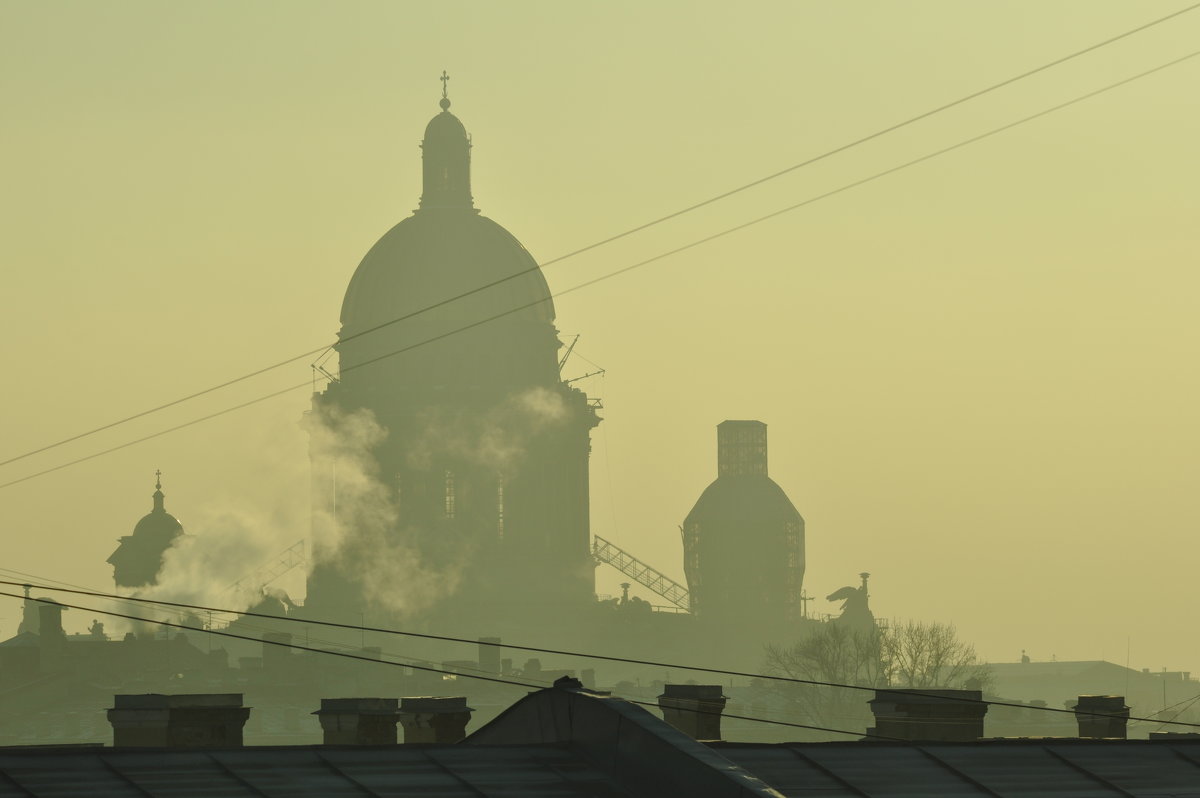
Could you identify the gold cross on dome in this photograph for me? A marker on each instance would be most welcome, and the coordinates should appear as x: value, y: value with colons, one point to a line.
x: 444, y: 79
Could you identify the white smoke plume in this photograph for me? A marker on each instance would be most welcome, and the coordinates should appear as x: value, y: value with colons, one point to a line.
x: 356, y: 524
x: 497, y: 438
x: 230, y: 542
x: 353, y: 521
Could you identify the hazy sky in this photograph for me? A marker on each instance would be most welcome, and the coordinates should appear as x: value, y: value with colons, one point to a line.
x: 979, y: 374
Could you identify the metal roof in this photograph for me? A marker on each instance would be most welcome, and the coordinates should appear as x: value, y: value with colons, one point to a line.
x: 446, y: 771
x: 1022, y: 767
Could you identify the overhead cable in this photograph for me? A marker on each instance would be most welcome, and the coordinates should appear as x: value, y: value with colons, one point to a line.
x: 580, y: 654
x: 623, y: 270
x: 431, y: 669
x: 618, y: 236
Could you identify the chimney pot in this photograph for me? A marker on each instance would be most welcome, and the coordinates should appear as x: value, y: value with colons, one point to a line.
x: 489, y: 654
x: 932, y: 715
x: 1101, y: 716
x: 359, y: 721
x: 694, y: 709
x: 50, y: 620
x: 153, y: 720
x: 434, y: 719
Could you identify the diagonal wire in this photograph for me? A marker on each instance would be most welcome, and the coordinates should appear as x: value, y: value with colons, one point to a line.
x: 584, y: 655
x: 618, y: 236
x: 631, y: 267
x: 428, y: 668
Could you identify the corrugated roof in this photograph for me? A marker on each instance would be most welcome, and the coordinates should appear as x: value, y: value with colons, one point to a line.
x: 299, y: 772
x: 1026, y: 768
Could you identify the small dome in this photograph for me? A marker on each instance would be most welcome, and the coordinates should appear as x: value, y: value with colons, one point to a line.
x: 445, y: 126
x: 157, y: 523
x: 138, y: 558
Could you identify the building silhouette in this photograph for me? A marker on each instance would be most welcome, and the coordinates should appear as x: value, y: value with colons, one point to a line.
x: 139, y: 555
x: 486, y: 451
x: 743, y: 541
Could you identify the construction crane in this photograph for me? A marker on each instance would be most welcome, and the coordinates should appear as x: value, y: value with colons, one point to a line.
x: 604, y: 551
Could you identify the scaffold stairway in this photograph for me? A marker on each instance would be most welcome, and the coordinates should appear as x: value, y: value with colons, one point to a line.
x: 288, y: 559
x: 609, y: 553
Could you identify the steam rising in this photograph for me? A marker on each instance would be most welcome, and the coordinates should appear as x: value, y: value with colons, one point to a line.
x: 495, y: 438
x: 358, y: 529
x: 355, y: 518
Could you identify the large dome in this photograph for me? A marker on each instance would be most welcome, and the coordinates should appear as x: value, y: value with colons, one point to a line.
x: 448, y: 298
x: 436, y: 255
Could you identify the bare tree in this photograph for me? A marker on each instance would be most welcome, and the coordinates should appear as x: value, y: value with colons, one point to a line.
x: 907, y: 654
x: 834, y: 653
x: 929, y: 654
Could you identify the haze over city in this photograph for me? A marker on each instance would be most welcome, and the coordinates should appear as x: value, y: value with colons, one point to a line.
x: 978, y: 372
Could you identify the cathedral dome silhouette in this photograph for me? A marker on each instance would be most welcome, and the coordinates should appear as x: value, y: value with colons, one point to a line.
x: 158, y: 522
x: 435, y: 255
x: 427, y: 263
x: 138, y: 558
x: 448, y: 352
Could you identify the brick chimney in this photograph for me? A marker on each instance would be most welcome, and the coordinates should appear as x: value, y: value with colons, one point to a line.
x: 1102, y: 716
x: 694, y: 709
x: 489, y: 654
x: 358, y: 721
x: 50, y: 626
x: 212, y: 720
x: 440, y: 719
x: 930, y: 715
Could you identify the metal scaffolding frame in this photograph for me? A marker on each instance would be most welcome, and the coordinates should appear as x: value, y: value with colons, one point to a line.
x: 609, y: 553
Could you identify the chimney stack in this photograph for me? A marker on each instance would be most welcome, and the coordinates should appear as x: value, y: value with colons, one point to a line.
x: 929, y: 715
x: 1102, y: 716
x: 440, y: 719
x: 50, y: 620
x: 489, y: 654
x: 358, y: 721
x: 213, y: 720
x: 694, y: 709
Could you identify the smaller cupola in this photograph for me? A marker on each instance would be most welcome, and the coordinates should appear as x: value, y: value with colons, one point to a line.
x: 446, y: 157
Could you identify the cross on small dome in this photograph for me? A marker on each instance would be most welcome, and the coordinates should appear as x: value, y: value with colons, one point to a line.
x: 445, y: 101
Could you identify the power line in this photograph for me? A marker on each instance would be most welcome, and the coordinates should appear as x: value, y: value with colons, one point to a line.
x: 479, y: 676
x: 1188, y: 701
x: 624, y: 269
x: 618, y: 236
x: 579, y: 654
